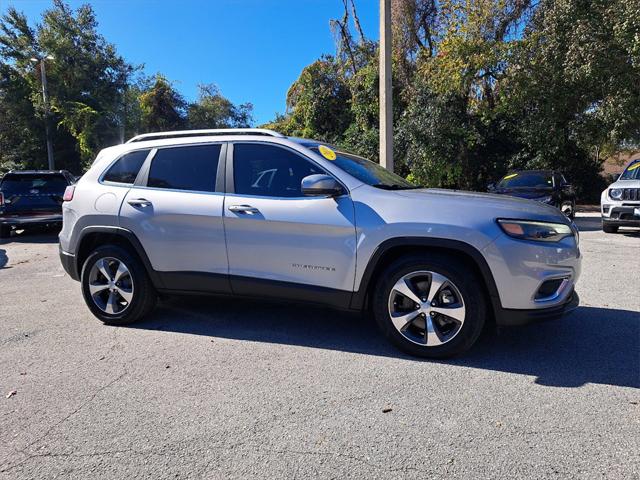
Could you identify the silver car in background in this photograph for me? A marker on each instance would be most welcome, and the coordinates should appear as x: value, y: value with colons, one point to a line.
x: 252, y: 213
x: 620, y: 201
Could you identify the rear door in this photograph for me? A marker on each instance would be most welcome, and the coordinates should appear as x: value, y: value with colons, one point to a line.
x: 175, y: 210
x: 33, y: 194
x: 281, y: 243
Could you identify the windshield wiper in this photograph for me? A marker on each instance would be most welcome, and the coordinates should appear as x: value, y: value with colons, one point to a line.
x: 384, y: 186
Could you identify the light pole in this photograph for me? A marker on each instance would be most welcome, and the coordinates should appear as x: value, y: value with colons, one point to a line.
x: 45, y: 99
x: 386, y: 97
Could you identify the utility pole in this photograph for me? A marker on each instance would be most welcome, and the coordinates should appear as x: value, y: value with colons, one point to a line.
x: 386, y: 96
x: 45, y: 99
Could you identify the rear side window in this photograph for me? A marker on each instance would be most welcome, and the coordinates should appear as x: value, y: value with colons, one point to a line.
x: 185, y: 168
x: 126, y: 169
x: 33, y: 184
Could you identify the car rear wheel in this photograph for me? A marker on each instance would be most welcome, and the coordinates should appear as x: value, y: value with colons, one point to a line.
x: 5, y: 231
x: 430, y: 306
x: 116, y: 287
x: 607, y: 228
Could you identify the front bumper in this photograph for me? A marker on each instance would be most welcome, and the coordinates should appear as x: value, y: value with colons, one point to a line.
x: 621, y: 215
x: 511, y: 317
x: 30, y: 220
x: 69, y: 264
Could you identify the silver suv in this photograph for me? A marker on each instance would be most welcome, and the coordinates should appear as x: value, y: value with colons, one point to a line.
x: 254, y: 213
x: 620, y: 201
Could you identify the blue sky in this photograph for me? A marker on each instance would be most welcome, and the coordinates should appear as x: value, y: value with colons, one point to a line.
x: 252, y: 49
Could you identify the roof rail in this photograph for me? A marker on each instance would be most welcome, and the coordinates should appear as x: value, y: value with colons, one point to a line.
x: 199, y: 133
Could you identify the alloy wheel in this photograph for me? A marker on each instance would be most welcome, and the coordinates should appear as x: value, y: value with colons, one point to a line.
x: 426, y: 308
x: 111, y: 285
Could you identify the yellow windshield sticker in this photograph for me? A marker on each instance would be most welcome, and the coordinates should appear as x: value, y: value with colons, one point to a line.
x: 633, y: 167
x: 510, y: 176
x: 327, y: 152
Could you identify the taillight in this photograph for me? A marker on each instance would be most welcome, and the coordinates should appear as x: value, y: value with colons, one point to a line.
x: 68, y: 193
x: 1, y: 199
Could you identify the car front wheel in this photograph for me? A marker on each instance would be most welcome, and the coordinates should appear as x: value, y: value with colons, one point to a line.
x: 430, y: 306
x: 116, y: 287
x: 607, y: 228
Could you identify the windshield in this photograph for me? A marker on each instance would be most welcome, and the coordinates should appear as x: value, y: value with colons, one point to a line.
x: 28, y: 184
x: 364, y: 170
x: 632, y: 172
x: 526, y: 180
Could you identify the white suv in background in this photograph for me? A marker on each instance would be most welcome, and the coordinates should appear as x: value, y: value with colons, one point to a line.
x: 620, y: 202
x: 253, y: 213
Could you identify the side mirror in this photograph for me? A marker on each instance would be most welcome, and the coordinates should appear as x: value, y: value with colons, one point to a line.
x: 320, y: 186
x: 491, y: 187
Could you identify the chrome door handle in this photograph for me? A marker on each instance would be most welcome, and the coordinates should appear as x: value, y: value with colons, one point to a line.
x: 243, y: 209
x: 139, y: 202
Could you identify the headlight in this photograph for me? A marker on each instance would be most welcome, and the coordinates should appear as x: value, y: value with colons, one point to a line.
x: 545, y: 199
x: 536, y: 231
x: 615, y: 193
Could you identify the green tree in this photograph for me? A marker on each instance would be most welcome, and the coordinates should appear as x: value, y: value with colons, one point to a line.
x: 162, y: 107
x: 86, y: 82
x: 213, y: 110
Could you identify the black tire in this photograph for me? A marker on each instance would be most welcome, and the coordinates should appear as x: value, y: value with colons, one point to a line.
x: 466, y: 282
x: 607, y: 228
x: 5, y: 231
x: 144, y: 295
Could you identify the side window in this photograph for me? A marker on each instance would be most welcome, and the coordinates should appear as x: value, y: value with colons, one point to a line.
x: 185, y: 168
x: 125, y: 170
x: 269, y: 171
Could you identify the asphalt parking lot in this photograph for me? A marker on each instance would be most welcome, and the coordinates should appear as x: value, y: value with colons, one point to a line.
x: 217, y: 388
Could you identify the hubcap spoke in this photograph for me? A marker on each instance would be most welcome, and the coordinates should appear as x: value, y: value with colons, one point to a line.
x: 437, y: 281
x: 95, y: 288
x: 431, y: 334
x: 400, y: 321
x: 111, y: 306
x: 403, y: 288
x: 456, y: 313
x: 122, y: 270
x: 126, y: 294
x: 103, y: 268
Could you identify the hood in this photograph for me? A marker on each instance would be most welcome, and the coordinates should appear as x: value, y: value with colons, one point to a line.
x: 496, y: 206
x: 625, y: 184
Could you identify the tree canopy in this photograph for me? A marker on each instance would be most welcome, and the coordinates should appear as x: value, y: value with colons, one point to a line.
x: 96, y: 97
x: 480, y: 87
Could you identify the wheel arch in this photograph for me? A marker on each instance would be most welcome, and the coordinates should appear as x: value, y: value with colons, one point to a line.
x: 394, y: 248
x: 93, y: 237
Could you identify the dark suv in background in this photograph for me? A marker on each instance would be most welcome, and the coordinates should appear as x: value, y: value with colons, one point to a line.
x: 32, y: 198
x: 546, y: 186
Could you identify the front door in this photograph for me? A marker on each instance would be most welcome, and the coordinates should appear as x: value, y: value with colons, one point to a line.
x: 281, y: 243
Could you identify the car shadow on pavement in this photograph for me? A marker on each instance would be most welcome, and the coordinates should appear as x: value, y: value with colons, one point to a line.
x: 591, y: 345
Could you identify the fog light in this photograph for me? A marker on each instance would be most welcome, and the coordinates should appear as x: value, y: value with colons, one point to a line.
x: 551, y: 288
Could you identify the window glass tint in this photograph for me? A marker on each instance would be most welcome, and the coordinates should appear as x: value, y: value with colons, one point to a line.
x: 366, y: 171
x: 526, y: 180
x: 270, y: 171
x: 125, y: 170
x: 29, y: 184
x: 185, y: 168
x: 632, y: 172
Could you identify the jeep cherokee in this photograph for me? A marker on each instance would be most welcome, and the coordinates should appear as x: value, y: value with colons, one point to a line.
x: 250, y: 212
